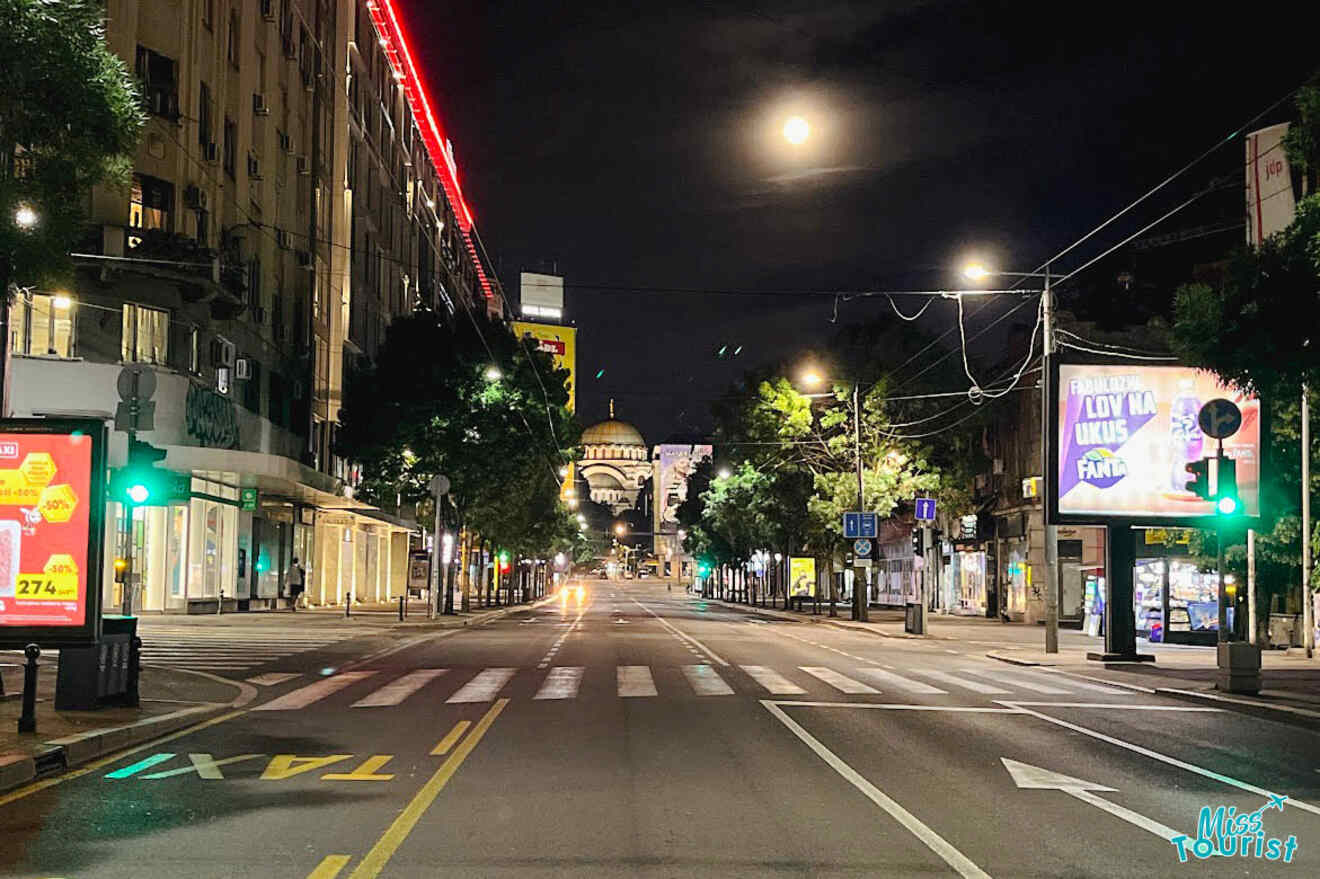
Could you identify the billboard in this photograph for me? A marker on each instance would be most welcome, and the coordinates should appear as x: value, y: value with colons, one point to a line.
x: 1273, y: 185
x: 674, y: 465
x: 561, y: 343
x: 1121, y: 435
x: 801, y: 578
x: 542, y: 295
x: 52, y: 503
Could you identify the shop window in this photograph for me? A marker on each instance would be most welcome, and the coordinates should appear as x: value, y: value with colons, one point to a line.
x: 160, y: 85
x: 146, y: 333
x: 41, y: 324
x: 150, y: 206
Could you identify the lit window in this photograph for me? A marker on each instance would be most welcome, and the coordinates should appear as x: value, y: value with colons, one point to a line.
x: 39, y: 327
x: 146, y: 333
x: 150, y: 206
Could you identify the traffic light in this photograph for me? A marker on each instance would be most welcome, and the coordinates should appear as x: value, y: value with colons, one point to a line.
x: 1199, y: 484
x: 121, y: 570
x: 917, y: 548
x: 140, y: 482
x: 1227, y: 502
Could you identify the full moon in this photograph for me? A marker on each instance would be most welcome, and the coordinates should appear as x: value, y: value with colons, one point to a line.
x: 796, y: 130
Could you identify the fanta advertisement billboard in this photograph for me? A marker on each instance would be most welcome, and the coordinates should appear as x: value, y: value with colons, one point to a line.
x: 1125, y: 434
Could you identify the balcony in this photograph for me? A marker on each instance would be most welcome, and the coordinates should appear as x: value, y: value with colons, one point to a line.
x: 202, y: 275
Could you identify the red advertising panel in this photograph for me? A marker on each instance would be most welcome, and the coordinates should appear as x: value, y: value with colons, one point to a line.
x: 51, y: 504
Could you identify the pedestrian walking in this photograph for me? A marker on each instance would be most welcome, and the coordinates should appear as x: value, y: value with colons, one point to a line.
x: 297, y: 577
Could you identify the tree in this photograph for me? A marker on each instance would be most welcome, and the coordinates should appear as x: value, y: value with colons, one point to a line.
x: 465, y: 398
x: 70, y: 118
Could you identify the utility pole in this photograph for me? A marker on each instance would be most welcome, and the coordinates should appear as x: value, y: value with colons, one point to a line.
x: 861, y: 589
x: 1051, y: 531
x: 1308, y: 601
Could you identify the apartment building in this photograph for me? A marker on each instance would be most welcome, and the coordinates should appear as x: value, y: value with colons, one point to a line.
x: 284, y: 207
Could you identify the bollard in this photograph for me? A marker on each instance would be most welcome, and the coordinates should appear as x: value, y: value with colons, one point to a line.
x: 403, y: 609
x: 131, y: 697
x: 348, y: 604
x: 27, y: 721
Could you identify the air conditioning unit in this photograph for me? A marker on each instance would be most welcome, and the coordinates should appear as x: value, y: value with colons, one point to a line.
x: 304, y: 259
x: 254, y: 168
x: 289, y: 46
x: 258, y: 316
x: 286, y: 142
x: 222, y: 353
x: 268, y: 10
x: 282, y: 238
x: 304, y: 165
x: 259, y: 105
x: 195, y: 197
x: 243, y: 369
x: 211, y: 152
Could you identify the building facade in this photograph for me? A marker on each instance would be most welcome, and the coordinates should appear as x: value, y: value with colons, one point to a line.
x: 285, y: 206
x: 615, y: 463
x: 673, y: 463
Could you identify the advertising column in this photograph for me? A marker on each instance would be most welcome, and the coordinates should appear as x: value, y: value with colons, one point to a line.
x: 52, y: 500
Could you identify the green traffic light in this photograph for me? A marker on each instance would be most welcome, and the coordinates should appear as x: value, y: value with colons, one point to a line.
x: 1227, y: 506
x: 138, y: 493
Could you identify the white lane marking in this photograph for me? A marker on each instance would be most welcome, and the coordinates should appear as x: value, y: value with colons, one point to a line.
x: 1018, y: 681
x: 932, y: 840
x: 888, y: 678
x: 1163, y: 758
x: 682, y: 635
x: 897, y: 706
x: 1029, y: 777
x: 1120, y: 707
x: 399, y: 689
x: 706, y: 681
x: 635, y: 680
x: 561, y: 683
x: 965, y: 683
x: 772, y: 680
x: 484, y: 687
x: 270, y: 679
x: 304, y: 696
x: 842, y: 683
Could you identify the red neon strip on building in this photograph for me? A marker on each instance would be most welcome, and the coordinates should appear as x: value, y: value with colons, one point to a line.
x: 396, y: 50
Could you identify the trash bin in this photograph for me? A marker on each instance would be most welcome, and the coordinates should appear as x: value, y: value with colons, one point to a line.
x: 914, y: 618
x: 103, y: 674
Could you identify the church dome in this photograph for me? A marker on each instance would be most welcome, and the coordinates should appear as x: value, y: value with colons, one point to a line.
x: 613, y: 433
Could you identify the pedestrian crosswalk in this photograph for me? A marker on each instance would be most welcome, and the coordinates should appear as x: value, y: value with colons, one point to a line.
x: 229, y: 652
x: 383, y: 688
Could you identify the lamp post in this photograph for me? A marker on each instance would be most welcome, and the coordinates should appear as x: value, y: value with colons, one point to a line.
x: 977, y: 272
x: 26, y: 219
x: 861, y: 597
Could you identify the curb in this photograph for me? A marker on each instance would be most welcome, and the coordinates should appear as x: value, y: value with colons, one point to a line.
x: 485, y: 617
x: 1284, y: 713
x: 1017, y: 660
x: 69, y: 752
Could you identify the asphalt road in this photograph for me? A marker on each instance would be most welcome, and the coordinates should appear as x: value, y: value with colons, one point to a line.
x: 646, y: 733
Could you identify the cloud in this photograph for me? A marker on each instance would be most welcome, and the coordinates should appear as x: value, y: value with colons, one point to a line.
x: 816, y: 174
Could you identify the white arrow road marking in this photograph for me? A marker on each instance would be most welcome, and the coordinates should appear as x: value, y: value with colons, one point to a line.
x: 1031, y: 777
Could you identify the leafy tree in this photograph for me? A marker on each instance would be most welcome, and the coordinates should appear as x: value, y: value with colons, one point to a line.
x: 70, y: 118
x: 466, y: 399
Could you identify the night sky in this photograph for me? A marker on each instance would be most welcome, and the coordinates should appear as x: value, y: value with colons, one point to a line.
x: 636, y: 146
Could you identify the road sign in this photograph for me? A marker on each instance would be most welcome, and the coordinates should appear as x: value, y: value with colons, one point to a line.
x: 137, y: 415
x: 136, y: 380
x: 1220, y: 418
x: 859, y: 525
x: 862, y: 548
x: 247, y: 499
x: 925, y: 509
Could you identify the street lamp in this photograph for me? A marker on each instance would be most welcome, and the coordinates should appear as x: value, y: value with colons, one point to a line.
x: 25, y: 217
x: 978, y: 271
x: 812, y: 377
x: 619, y: 529
x: 492, y: 373
x: 724, y: 473
x: 62, y: 301
x: 796, y: 130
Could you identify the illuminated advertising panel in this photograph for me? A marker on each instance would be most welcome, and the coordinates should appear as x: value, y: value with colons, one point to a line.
x: 677, y: 463
x: 52, y: 501
x: 1122, y: 435
x: 801, y: 578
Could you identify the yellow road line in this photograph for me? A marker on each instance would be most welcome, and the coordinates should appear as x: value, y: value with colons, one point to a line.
x: 450, y: 738
x: 397, y: 832
x: 36, y: 786
x: 329, y: 867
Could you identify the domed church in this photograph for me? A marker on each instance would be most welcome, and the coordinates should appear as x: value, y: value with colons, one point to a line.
x: 615, y: 463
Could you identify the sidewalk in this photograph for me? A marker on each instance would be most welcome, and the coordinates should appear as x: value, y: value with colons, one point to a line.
x: 1290, y: 682
x: 375, y: 616
x: 171, y: 699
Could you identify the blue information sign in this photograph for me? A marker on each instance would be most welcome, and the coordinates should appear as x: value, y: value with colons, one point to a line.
x: 859, y: 525
x: 925, y: 509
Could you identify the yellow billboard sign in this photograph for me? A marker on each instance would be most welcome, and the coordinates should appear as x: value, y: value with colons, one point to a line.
x: 802, y: 577
x: 561, y: 343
